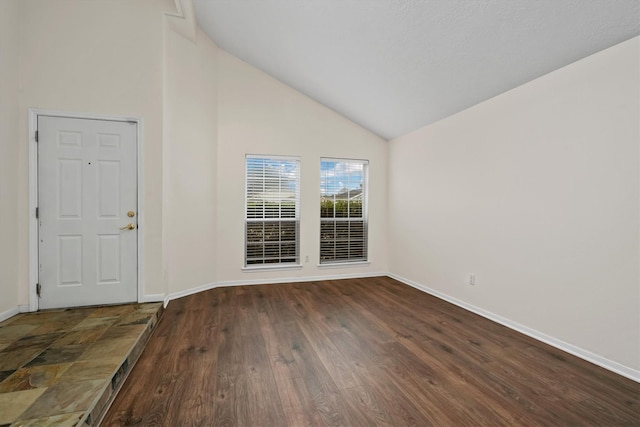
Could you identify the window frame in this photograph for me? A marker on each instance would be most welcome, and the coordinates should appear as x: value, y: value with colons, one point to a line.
x: 336, y: 260
x: 265, y: 260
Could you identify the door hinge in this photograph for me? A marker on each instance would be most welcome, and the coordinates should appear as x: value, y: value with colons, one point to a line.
x: 38, y: 289
x: 36, y: 136
x: 37, y: 213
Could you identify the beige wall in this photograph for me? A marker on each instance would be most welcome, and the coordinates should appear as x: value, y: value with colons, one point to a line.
x: 259, y: 115
x: 97, y: 58
x: 190, y: 151
x: 200, y: 117
x: 537, y: 192
x: 128, y: 59
x: 9, y: 143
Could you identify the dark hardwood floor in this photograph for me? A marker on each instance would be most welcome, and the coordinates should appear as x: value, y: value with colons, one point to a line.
x: 358, y: 352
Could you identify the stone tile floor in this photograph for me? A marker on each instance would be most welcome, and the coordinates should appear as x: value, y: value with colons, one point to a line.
x: 63, y: 367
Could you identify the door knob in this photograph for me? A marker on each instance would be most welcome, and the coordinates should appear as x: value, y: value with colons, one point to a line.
x: 128, y: 227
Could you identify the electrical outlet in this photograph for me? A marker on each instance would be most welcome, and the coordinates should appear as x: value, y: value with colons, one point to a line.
x: 472, y: 279
x: 306, y: 258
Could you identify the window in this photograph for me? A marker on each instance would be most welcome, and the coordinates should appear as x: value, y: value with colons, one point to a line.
x: 343, y: 210
x: 272, y: 211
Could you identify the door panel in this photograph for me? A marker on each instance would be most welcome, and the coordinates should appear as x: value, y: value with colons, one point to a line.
x: 108, y: 259
x: 87, y: 182
x: 70, y: 260
x: 69, y: 188
x: 108, y: 189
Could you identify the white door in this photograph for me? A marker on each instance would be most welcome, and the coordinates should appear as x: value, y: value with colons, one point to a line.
x: 87, y: 212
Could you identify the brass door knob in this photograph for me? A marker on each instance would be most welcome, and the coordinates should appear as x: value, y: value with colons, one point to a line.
x: 128, y: 227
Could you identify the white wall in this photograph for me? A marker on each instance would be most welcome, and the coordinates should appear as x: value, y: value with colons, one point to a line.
x: 536, y: 191
x: 98, y: 58
x: 9, y: 140
x: 259, y: 115
x: 190, y: 151
x: 128, y: 59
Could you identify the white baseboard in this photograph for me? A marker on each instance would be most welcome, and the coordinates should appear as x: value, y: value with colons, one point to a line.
x: 9, y: 313
x: 559, y: 344
x: 24, y: 308
x: 151, y: 298
x: 263, y: 281
x: 298, y: 279
x: 187, y: 292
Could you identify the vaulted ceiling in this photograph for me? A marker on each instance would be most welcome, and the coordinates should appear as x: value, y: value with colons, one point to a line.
x: 393, y: 66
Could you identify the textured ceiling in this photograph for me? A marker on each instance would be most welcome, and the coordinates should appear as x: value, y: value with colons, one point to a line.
x: 394, y: 66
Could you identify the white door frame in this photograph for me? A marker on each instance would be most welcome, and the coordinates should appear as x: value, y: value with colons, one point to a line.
x: 33, y: 192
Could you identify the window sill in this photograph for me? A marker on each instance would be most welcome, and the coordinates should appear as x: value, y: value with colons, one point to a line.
x: 271, y: 267
x: 344, y: 264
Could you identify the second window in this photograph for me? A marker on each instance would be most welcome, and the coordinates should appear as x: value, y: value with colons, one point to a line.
x: 343, y: 210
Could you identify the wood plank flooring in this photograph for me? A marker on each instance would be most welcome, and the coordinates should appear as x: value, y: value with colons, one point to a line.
x: 358, y: 352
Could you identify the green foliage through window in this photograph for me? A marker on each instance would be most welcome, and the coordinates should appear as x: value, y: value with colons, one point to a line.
x: 341, y: 209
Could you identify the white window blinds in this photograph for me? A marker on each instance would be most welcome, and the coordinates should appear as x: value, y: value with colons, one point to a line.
x: 272, y: 210
x: 343, y: 210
